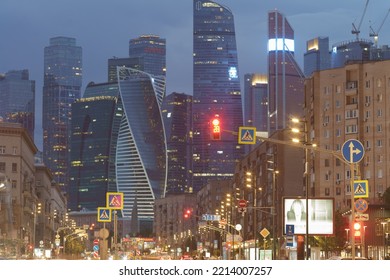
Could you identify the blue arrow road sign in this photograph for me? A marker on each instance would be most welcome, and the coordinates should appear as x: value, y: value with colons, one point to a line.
x: 353, y: 151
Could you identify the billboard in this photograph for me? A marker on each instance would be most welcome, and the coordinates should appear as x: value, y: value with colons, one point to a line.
x: 320, y: 215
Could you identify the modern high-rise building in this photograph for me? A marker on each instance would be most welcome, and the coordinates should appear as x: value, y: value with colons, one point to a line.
x: 317, y: 55
x: 61, y: 87
x: 177, y: 113
x: 285, y: 78
x: 152, y: 50
x: 255, y: 104
x: 131, y: 62
x: 17, y: 99
x: 216, y: 93
x: 141, y: 154
x: 93, y: 137
x: 350, y: 52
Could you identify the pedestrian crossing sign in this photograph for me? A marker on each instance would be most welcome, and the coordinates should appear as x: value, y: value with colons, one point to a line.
x: 114, y: 200
x: 360, y: 188
x: 247, y: 135
x: 104, y: 214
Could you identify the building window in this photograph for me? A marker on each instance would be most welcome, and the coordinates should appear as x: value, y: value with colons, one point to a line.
x: 14, y: 150
x: 338, y: 132
x: 327, y: 191
x: 338, y: 191
x: 13, y: 184
x: 2, y: 149
x: 327, y: 162
x: 14, y: 167
x: 380, y: 173
x: 351, y: 114
x: 379, y: 127
x: 337, y: 103
x: 379, y: 113
x: 379, y: 143
x: 368, y: 84
x: 351, y: 129
x: 2, y: 166
x: 338, y: 118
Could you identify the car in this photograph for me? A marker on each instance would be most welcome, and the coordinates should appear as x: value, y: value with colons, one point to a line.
x: 346, y: 258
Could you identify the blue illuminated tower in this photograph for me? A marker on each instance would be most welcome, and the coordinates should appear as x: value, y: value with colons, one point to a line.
x: 216, y: 92
x: 61, y: 87
x: 141, y: 154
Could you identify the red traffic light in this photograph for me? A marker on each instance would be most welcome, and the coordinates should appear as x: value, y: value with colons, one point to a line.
x: 187, y: 213
x: 357, y: 233
x: 216, y: 129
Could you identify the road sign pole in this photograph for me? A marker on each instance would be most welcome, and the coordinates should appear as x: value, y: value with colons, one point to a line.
x: 352, y: 208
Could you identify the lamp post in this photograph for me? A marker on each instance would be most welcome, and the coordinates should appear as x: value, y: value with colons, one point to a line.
x: 307, y: 182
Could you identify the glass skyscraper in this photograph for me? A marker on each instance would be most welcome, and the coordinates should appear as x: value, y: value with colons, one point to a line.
x: 285, y: 78
x: 17, y: 99
x: 152, y: 50
x: 317, y: 55
x: 93, y: 140
x: 61, y: 87
x: 216, y: 93
x: 141, y: 155
x: 177, y: 113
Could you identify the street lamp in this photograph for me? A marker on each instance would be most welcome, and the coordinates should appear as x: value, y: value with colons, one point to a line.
x: 307, y: 182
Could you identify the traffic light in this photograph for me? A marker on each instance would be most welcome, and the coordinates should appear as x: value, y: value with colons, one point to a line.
x: 187, y: 213
x: 358, y: 235
x: 216, y: 128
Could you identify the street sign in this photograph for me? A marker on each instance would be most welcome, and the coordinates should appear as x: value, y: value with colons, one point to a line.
x: 114, y: 200
x: 360, y: 217
x: 242, y: 210
x: 242, y: 203
x: 360, y: 188
x: 247, y: 135
x: 210, y: 217
x: 96, y: 247
x: 289, y: 230
x: 352, y: 151
x: 104, y: 214
x: 96, y: 242
x: 264, y: 232
x: 361, y: 205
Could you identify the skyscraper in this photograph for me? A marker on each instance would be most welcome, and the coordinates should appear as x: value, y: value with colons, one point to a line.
x: 17, y: 99
x: 152, y: 50
x: 350, y: 51
x: 285, y: 78
x: 93, y: 137
x: 141, y: 156
x: 61, y: 87
x: 177, y: 113
x: 216, y: 93
x: 317, y: 55
x: 255, y: 103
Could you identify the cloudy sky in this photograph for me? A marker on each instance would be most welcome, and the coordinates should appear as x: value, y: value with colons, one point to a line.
x: 103, y: 29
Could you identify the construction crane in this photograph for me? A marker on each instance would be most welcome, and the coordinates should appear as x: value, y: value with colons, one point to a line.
x: 357, y: 30
x: 375, y: 34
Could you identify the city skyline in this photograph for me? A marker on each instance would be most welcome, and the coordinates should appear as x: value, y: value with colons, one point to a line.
x: 172, y: 20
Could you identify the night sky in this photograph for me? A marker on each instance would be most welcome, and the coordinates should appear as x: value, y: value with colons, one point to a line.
x: 103, y: 29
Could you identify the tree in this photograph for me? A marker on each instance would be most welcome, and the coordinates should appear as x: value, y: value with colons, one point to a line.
x: 386, y: 198
x: 335, y: 243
